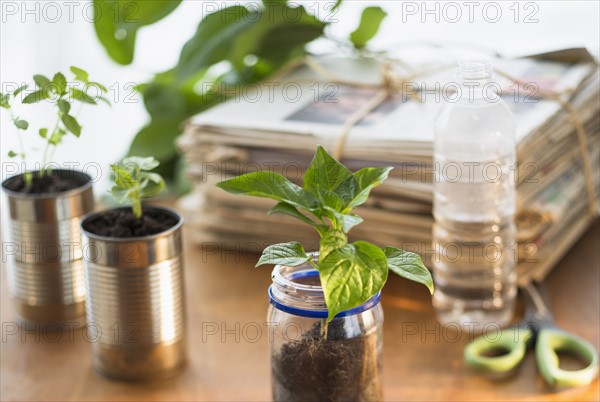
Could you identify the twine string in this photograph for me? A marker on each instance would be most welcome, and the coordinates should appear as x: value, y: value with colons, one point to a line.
x: 559, y: 97
x: 393, y: 84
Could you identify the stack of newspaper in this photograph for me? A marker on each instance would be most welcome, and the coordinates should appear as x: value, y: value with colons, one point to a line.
x: 276, y: 126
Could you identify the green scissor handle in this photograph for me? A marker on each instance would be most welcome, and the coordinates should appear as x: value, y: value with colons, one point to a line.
x: 511, y: 341
x: 551, y: 340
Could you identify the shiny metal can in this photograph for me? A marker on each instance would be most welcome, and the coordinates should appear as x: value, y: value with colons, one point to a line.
x: 135, y: 304
x: 45, y: 268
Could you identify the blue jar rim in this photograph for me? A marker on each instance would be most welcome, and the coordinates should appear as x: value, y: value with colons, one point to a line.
x: 372, y: 302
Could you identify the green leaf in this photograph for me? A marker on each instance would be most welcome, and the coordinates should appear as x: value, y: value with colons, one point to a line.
x: 71, y: 124
x: 269, y: 185
x: 20, y: 89
x: 43, y: 132
x: 163, y: 100
x: 133, y: 183
x: 361, y: 184
x: 151, y: 184
x: 324, y: 176
x: 347, y: 221
x: 64, y: 106
x: 337, y: 5
x: 80, y: 74
x: 42, y: 82
x: 287, y: 209
x: 121, y: 195
x: 117, y: 21
x: 369, y: 25
x: 21, y: 124
x: 36, y: 96
x: 158, y: 139
x: 408, y: 265
x: 12, y: 154
x: 275, y: 35
x: 328, y: 198
x: 286, y: 41
x: 4, y: 101
x: 56, y: 137
x: 82, y: 96
x: 212, y: 40
x: 153, y: 177
x: 331, y: 239
x: 167, y: 106
x: 97, y: 85
x: 122, y: 177
x: 290, y: 254
x: 60, y: 83
x: 144, y: 163
x: 103, y: 99
x: 352, y: 275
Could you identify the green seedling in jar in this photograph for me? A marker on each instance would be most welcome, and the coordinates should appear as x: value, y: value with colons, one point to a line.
x: 350, y: 273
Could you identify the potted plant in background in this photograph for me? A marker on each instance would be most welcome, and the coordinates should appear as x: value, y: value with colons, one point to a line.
x: 329, y: 298
x: 134, y: 279
x: 45, y: 207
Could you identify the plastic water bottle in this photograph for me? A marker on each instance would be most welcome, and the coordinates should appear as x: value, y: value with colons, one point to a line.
x: 474, y: 204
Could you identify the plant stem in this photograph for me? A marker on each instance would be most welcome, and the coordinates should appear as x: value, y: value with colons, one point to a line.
x: 21, y: 146
x: 52, y: 152
x: 313, y: 264
x: 79, y: 110
x: 324, y: 328
x: 137, y: 208
x: 47, y: 147
x: 136, y: 203
x: 43, y: 169
x: 76, y: 116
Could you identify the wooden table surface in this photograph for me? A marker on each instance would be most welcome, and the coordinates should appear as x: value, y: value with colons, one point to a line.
x: 423, y: 361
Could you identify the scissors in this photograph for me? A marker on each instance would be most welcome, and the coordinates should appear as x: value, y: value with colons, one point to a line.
x: 537, y: 328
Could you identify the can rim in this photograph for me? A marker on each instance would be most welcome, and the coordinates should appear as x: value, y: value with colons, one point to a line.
x: 164, y: 233
x: 74, y: 191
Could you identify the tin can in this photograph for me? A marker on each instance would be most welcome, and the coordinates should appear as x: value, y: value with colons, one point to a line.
x: 135, y: 304
x: 45, y: 273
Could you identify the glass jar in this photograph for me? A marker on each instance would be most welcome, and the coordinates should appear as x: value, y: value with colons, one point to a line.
x: 315, y: 361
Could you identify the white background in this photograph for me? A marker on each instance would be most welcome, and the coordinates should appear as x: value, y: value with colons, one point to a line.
x: 47, y: 36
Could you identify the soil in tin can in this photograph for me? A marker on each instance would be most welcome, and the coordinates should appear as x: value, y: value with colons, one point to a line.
x: 49, y: 183
x: 122, y: 223
x: 333, y: 369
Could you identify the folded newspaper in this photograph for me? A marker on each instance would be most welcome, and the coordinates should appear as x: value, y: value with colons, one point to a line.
x: 276, y: 126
